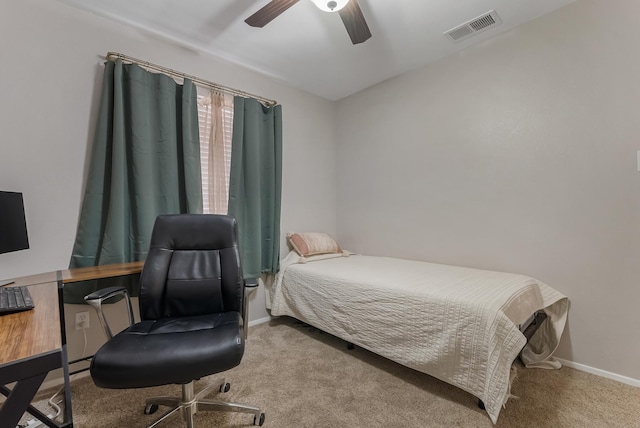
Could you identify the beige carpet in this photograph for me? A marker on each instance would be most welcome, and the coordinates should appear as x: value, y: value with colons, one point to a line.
x: 304, y: 378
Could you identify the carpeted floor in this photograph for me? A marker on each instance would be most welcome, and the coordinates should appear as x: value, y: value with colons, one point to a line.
x: 305, y: 378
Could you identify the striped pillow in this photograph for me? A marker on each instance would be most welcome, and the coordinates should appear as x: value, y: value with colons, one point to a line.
x: 313, y: 243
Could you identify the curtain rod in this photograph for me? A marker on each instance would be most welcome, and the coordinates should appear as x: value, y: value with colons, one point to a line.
x: 146, y: 64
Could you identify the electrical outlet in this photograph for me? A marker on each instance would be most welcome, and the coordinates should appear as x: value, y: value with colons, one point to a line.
x: 82, y: 320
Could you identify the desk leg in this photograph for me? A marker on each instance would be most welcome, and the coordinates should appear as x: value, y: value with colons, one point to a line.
x: 22, y: 393
x: 65, y: 359
x: 67, y: 388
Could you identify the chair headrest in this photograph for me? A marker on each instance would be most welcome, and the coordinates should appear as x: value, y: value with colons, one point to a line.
x: 194, y: 232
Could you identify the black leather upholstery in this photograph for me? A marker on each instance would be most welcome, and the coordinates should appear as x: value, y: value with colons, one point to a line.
x: 191, y: 299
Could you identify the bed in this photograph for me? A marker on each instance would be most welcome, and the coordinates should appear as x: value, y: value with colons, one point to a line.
x: 460, y: 325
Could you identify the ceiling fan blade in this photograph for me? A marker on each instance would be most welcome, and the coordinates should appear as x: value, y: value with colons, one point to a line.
x: 269, y: 12
x: 354, y: 22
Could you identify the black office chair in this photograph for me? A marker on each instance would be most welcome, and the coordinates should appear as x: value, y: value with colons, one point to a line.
x: 192, y: 304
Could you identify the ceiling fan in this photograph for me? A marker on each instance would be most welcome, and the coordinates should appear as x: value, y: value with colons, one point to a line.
x: 349, y: 11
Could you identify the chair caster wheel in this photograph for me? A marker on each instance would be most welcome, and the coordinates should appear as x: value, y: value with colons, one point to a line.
x: 150, y: 409
x: 258, y: 421
x: 225, y: 388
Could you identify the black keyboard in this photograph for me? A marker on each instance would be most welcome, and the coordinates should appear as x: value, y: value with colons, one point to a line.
x: 14, y: 299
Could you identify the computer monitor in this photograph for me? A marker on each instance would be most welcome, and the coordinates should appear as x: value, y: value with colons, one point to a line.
x: 13, y: 225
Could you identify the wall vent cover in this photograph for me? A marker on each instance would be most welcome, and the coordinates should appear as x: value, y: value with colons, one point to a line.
x: 474, y: 26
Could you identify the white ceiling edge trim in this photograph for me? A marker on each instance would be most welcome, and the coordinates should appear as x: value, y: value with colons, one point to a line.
x: 180, y: 42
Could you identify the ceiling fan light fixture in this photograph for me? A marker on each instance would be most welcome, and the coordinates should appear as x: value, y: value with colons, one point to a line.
x: 330, y: 5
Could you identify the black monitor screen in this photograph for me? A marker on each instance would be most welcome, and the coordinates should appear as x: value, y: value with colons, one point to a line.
x: 13, y: 226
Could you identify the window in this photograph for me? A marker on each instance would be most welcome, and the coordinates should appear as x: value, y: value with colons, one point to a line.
x: 215, y: 117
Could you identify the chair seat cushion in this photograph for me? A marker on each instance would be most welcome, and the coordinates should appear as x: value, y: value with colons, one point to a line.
x: 171, y: 350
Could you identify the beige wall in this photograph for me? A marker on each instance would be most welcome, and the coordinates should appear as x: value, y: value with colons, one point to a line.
x: 518, y: 154
x: 515, y: 155
x: 49, y: 88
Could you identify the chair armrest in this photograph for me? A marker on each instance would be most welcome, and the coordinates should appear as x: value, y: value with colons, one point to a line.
x: 96, y: 299
x: 251, y: 282
x: 250, y: 285
x: 105, y: 293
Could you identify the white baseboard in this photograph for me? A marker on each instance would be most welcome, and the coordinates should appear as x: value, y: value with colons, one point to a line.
x: 567, y: 363
x: 601, y: 373
x: 259, y: 321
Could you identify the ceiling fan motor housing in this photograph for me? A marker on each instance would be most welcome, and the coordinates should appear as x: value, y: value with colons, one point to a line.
x: 330, y: 5
x: 349, y: 12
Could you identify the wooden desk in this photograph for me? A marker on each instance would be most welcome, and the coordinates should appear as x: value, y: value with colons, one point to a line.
x: 99, y: 272
x: 38, y: 330
x: 32, y: 345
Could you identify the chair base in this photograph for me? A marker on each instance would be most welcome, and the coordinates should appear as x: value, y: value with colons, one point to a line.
x: 191, y: 403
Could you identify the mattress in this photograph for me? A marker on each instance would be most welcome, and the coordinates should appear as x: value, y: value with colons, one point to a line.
x: 457, y: 324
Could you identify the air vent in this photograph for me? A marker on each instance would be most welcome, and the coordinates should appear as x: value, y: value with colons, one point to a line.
x: 474, y: 26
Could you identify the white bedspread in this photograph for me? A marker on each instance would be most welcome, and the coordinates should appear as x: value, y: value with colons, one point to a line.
x: 457, y: 324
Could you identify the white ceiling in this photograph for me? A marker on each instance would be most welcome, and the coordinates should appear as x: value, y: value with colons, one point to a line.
x: 310, y: 49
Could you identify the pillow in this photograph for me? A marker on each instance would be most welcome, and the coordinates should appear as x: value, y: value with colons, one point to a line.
x: 319, y: 257
x: 313, y: 243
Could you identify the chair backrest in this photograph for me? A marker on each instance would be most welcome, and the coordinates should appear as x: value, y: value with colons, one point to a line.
x: 193, y: 267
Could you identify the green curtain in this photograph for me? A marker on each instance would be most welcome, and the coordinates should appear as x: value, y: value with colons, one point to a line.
x: 145, y: 161
x: 255, y: 184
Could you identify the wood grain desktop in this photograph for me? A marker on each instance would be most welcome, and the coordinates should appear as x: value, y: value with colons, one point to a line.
x: 98, y: 272
x: 32, y: 332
